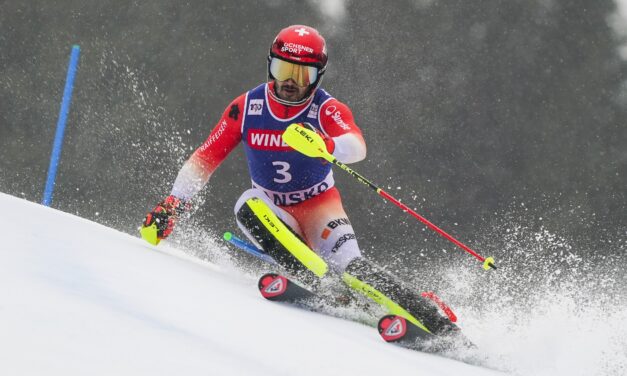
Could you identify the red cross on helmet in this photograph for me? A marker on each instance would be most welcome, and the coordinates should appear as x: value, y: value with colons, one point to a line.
x: 298, y: 52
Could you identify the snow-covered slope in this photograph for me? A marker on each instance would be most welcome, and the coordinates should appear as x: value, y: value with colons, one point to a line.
x: 79, y: 298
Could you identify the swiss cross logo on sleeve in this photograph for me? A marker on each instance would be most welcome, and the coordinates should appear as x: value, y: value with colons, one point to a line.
x: 255, y: 107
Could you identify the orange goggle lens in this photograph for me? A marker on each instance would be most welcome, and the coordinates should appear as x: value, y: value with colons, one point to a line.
x: 303, y: 75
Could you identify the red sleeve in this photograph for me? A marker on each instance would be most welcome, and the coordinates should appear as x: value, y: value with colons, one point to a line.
x: 224, y: 137
x: 337, y: 119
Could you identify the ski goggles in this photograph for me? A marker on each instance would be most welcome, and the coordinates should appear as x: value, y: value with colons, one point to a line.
x: 303, y: 75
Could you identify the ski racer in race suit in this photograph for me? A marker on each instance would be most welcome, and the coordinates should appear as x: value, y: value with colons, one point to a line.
x: 298, y: 189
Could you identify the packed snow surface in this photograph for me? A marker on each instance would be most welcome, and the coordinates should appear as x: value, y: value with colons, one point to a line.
x: 79, y: 298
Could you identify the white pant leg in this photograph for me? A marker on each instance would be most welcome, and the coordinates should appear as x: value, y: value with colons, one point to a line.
x: 339, y: 247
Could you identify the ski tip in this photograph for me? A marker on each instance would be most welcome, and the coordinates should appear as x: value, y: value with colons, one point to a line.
x: 392, y: 328
x: 228, y: 236
x: 272, y: 285
x: 440, y: 303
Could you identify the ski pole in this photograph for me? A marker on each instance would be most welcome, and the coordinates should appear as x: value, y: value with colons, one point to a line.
x: 311, y: 144
x: 248, y: 248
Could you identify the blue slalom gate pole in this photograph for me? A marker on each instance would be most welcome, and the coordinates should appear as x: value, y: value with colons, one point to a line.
x: 58, y: 138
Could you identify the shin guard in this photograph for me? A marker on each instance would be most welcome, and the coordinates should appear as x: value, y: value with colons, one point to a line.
x: 279, y: 241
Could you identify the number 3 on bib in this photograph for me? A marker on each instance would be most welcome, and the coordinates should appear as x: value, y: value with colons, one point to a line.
x: 282, y: 168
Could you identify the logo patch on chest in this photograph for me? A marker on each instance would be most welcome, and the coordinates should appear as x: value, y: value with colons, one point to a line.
x: 263, y: 139
x: 255, y: 107
x: 313, y: 111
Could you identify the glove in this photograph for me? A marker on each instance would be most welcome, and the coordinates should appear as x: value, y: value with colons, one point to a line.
x: 328, y: 141
x: 163, y: 217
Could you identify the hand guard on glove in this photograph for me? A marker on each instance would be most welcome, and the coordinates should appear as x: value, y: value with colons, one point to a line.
x: 328, y: 141
x: 165, y: 215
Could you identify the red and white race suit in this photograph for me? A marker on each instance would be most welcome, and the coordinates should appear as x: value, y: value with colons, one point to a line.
x: 299, y: 190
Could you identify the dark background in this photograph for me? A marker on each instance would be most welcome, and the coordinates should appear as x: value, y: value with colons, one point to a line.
x: 501, y: 121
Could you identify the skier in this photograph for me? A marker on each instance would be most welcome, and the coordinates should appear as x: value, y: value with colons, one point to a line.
x: 298, y: 190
